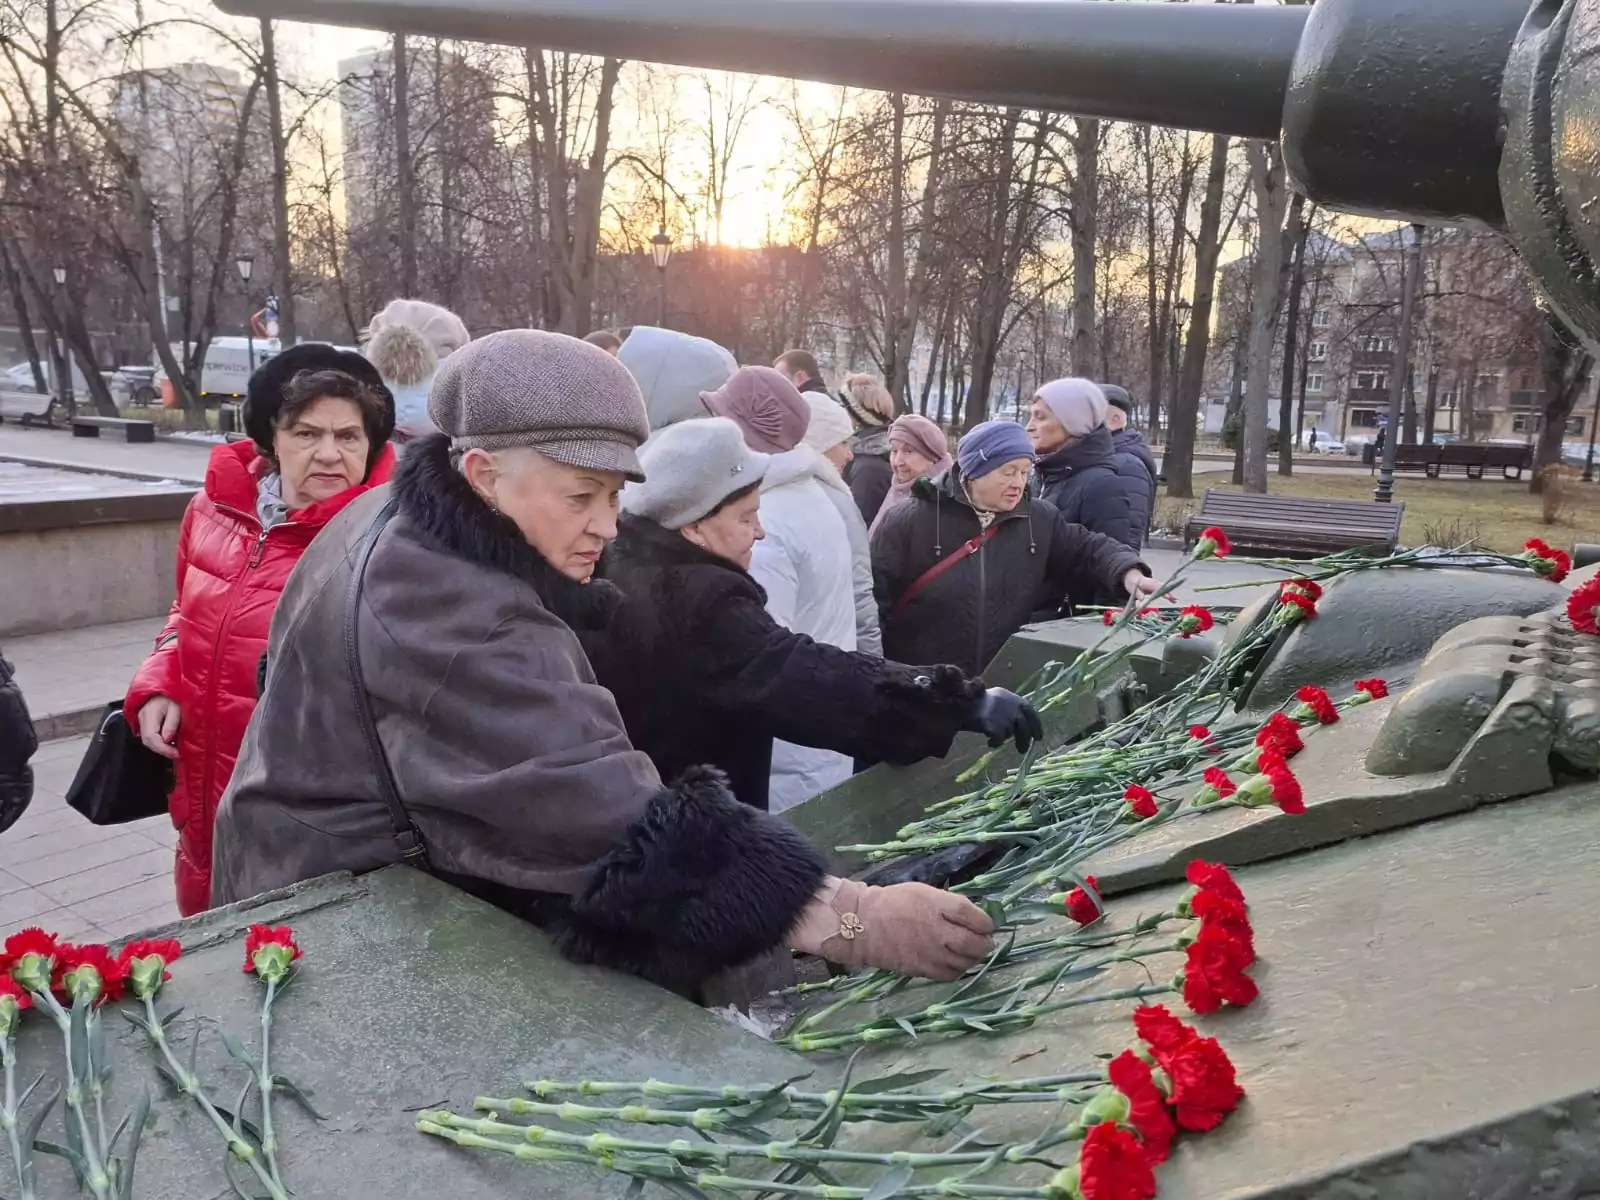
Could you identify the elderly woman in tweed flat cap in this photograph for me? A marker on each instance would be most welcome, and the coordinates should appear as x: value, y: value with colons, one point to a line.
x: 433, y: 630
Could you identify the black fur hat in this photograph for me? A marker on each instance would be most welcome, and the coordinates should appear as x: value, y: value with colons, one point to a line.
x: 264, y: 393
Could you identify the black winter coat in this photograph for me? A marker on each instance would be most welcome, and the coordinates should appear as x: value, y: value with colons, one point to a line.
x: 703, y: 675
x: 1037, y: 563
x: 17, y: 744
x: 1134, y: 460
x: 869, y: 475
x: 1081, y: 480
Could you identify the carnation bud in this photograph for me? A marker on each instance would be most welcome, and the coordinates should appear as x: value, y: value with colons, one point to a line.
x: 1185, y: 905
x: 1108, y: 1105
x: 33, y: 971
x: 145, y: 975
x: 10, y: 1012
x: 1247, y: 763
x: 1189, y: 936
x: 272, y: 960
x: 1255, y: 792
x: 1065, y: 1185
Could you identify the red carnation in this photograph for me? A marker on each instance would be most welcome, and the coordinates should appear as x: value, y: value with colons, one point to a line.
x: 1213, y: 543
x: 1376, y: 688
x: 1131, y: 1076
x: 1292, y: 601
x: 1583, y: 608
x: 1193, y: 620
x: 268, y: 952
x: 144, y: 963
x: 1286, y: 791
x: 1214, y: 877
x: 1213, y: 974
x: 1546, y: 560
x: 90, y: 970
x: 1162, y: 1031
x: 1218, y: 778
x: 1281, y: 733
x: 1140, y: 801
x: 1113, y: 1165
x: 1108, y: 617
x: 1217, y: 911
x: 1204, y: 1087
x: 1201, y: 734
x: 1319, y: 704
x: 1309, y: 588
x: 1081, y: 907
x: 30, y: 957
x: 30, y: 941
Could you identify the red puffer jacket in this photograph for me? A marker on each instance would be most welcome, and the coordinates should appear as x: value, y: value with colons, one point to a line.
x: 230, y: 574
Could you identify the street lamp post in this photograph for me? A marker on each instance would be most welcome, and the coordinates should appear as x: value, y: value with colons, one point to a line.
x: 661, y: 251
x: 1594, y: 420
x: 63, y: 361
x: 245, y: 264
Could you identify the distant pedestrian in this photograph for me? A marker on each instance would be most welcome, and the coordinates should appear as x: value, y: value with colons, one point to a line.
x: 1131, y: 454
x: 803, y: 563
x: 917, y: 449
x: 605, y: 339
x: 872, y: 408
x: 800, y: 368
x: 18, y: 741
x: 319, y: 419
x: 829, y: 435
x: 672, y: 369
x: 971, y: 558
x: 406, y: 342
x: 1077, y: 468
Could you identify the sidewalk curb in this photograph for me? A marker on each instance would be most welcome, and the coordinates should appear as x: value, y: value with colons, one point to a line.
x: 30, y: 460
x: 58, y: 727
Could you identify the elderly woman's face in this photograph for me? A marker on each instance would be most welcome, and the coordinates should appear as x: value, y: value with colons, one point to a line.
x: 567, y: 514
x: 1044, y: 431
x: 732, y: 531
x: 1001, y: 489
x: 321, y: 451
x: 908, y: 463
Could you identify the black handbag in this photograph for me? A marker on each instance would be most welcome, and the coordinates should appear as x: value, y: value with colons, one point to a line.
x: 120, y: 778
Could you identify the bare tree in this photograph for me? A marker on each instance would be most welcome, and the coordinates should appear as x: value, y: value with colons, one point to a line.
x: 1269, y: 184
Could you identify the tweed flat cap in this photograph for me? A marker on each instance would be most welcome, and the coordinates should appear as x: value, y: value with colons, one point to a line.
x: 569, y: 400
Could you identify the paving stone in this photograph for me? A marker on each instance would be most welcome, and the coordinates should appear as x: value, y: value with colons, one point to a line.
x: 24, y: 904
x: 61, y: 921
x: 143, y: 922
x: 136, y: 867
x: 83, y: 858
x: 112, y: 910
x: 19, y: 850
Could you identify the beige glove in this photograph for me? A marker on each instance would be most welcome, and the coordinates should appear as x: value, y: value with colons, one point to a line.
x: 909, y: 927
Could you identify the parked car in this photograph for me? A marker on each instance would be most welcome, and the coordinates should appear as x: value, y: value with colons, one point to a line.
x: 20, y: 378
x: 1317, y: 441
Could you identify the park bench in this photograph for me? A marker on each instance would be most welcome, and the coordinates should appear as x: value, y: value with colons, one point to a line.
x: 27, y: 408
x: 1468, y: 458
x: 131, y: 430
x: 1294, y: 527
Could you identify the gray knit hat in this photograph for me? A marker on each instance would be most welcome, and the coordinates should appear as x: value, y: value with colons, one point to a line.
x: 692, y: 467
x: 569, y: 400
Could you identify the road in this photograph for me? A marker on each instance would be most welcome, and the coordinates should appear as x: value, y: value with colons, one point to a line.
x: 184, y: 462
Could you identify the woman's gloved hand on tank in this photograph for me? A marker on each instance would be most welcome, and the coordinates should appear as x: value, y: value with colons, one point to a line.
x: 1003, y: 716
x: 909, y: 928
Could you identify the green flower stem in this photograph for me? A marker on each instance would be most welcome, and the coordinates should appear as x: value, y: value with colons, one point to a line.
x: 96, y: 1088
x: 269, y: 1137
x: 8, y: 1118
x: 1020, y: 1017
x: 954, y: 1189
x: 472, y: 1141
x: 549, y: 1089
x: 191, y: 1086
x: 606, y: 1146
x: 95, y: 1173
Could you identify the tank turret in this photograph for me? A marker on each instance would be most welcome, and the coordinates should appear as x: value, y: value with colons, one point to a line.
x: 1479, y: 111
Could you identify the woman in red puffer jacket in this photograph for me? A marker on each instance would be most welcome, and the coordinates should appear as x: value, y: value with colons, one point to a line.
x: 319, y: 419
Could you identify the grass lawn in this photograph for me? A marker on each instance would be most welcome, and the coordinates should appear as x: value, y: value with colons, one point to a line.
x: 1496, y: 514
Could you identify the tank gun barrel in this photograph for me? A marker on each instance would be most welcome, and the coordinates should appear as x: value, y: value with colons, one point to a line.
x: 1219, y: 68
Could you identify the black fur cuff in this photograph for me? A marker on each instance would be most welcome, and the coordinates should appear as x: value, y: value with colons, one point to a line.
x: 920, y: 711
x: 699, y: 883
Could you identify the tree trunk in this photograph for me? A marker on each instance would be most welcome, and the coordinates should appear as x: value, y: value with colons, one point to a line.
x: 587, y: 204
x: 988, y: 311
x: 1288, y: 427
x: 895, y: 367
x: 1154, y: 321
x: 1177, y: 462
x: 1268, y: 182
x: 1566, y: 366
x: 405, y: 177
x: 1085, y: 231
x: 283, y: 250
x: 19, y: 303
x: 1430, y: 409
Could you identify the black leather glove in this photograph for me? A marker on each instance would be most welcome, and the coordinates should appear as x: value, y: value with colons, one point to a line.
x: 1000, y: 715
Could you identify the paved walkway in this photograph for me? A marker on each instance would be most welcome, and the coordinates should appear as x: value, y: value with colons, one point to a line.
x: 184, y: 462
x: 77, y: 879
x: 68, y: 677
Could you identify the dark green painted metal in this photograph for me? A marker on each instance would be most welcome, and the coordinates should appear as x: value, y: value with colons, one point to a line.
x: 1204, y: 66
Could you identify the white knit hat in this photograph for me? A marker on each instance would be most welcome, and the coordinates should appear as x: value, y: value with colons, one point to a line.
x: 690, y: 468
x: 830, y: 424
x: 1078, y: 405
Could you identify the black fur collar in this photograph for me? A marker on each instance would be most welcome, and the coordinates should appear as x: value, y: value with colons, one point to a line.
x: 449, y: 515
x: 643, y: 542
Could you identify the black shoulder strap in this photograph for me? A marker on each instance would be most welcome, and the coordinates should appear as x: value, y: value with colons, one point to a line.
x: 412, y: 849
